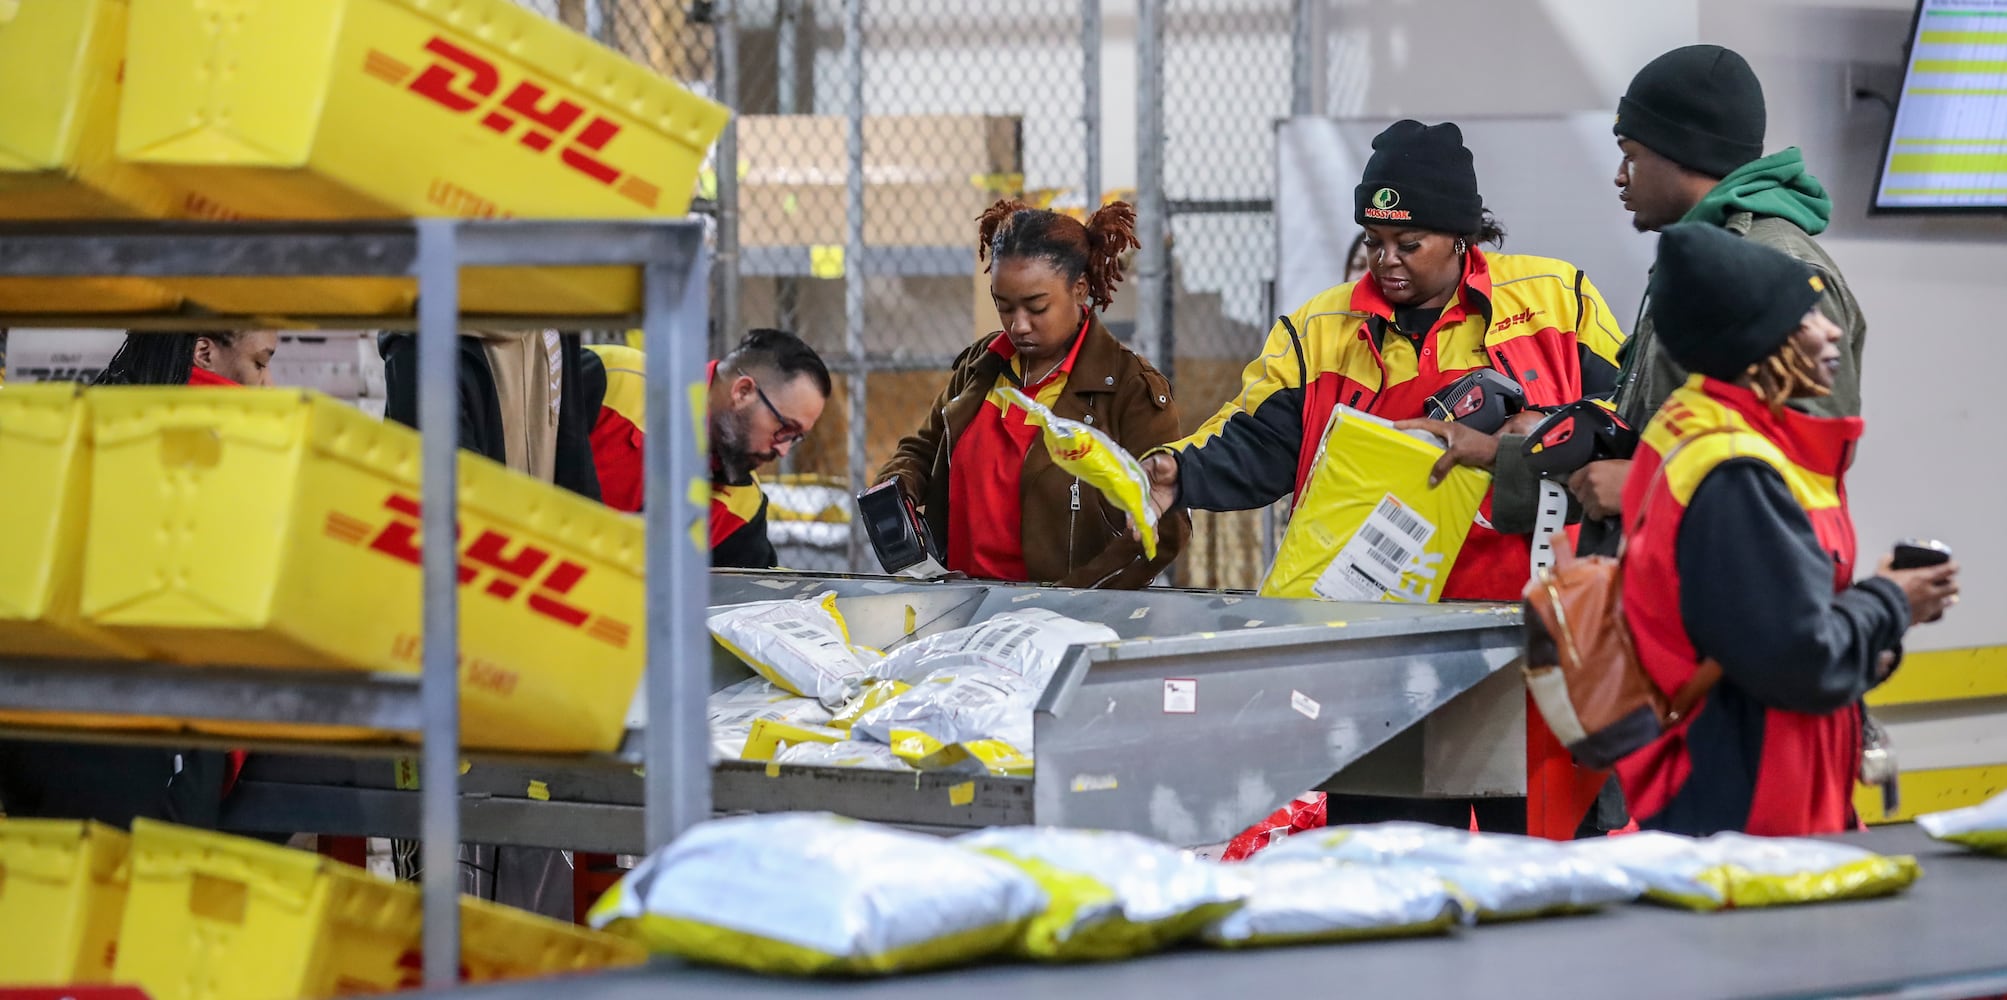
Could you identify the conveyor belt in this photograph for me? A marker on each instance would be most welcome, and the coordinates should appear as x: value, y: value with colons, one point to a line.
x: 1946, y: 937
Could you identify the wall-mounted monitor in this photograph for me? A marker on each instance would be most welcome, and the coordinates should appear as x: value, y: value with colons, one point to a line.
x: 1947, y: 149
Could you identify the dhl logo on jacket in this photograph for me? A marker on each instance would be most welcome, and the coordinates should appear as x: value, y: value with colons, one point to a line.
x: 1537, y: 320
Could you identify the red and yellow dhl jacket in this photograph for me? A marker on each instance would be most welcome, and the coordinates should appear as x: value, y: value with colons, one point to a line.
x: 1535, y: 319
x: 1741, y: 550
x: 738, y: 512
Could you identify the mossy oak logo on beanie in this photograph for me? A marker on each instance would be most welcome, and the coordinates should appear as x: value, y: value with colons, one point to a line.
x: 1384, y: 201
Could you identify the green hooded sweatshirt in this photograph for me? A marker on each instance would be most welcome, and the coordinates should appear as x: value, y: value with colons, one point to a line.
x: 1777, y: 186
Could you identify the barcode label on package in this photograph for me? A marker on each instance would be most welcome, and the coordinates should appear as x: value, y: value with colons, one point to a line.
x: 1369, y: 565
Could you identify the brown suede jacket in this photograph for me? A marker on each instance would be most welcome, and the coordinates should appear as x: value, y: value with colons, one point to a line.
x: 1111, y: 389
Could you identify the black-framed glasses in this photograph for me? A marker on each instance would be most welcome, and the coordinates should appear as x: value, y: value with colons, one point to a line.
x: 790, y: 428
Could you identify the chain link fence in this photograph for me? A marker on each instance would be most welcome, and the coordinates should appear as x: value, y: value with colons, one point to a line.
x: 958, y: 105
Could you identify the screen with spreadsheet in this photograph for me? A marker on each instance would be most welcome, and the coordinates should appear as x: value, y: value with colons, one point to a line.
x: 1947, y: 150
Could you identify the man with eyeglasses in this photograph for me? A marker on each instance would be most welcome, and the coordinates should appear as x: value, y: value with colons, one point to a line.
x: 765, y: 396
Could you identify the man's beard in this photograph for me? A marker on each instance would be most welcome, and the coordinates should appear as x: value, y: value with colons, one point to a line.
x: 732, y: 461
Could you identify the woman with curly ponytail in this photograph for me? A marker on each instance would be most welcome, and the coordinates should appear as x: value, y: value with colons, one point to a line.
x: 994, y: 501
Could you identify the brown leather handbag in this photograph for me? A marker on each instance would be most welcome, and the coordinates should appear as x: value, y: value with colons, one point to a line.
x: 1581, y: 665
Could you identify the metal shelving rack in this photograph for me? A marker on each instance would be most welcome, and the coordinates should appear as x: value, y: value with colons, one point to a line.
x: 674, y: 266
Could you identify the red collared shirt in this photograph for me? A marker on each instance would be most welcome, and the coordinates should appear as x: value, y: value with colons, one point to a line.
x: 985, y: 506
x: 198, y: 375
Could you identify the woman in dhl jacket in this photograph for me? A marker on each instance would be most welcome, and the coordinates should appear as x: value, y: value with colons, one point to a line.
x: 1741, y: 555
x: 1431, y: 308
x: 994, y: 500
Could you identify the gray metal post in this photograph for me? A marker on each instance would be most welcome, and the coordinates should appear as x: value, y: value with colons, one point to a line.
x: 1307, y: 45
x: 677, y: 775
x: 1152, y: 219
x: 787, y: 68
x: 1090, y: 105
x: 727, y: 167
x: 853, y: 269
x: 439, y: 686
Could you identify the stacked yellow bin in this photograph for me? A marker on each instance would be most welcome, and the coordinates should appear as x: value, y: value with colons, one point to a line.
x: 280, y: 529
x: 56, y: 147
x: 62, y: 896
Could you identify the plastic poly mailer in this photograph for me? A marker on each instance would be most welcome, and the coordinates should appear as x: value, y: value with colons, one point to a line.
x: 801, y: 645
x: 1982, y: 827
x: 953, y: 706
x: 1301, y: 901
x: 1368, y: 526
x: 1503, y: 876
x: 1094, y: 457
x: 1736, y: 870
x: 811, y: 894
x: 847, y: 753
x: 1031, y: 643
x: 734, y: 709
x: 1111, y: 895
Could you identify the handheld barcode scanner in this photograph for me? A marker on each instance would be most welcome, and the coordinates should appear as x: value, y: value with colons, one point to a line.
x: 1575, y: 435
x: 898, y: 534
x: 1482, y: 400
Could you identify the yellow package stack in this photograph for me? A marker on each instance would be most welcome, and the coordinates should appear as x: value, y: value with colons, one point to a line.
x: 1368, y: 526
x: 59, y: 70
x: 209, y: 916
x: 393, y: 108
x: 280, y: 529
x: 62, y: 896
x: 502, y: 942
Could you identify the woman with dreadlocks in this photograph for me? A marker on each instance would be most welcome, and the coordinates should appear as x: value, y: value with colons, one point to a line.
x: 1739, y: 571
x: 210, y: 357
x: 994, y: 500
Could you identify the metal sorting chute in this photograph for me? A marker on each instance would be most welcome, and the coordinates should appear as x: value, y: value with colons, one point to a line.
x: 1214, y: 708
x: 1211, y: 710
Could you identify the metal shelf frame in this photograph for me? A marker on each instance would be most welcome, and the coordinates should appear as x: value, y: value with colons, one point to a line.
x: 674, y: 316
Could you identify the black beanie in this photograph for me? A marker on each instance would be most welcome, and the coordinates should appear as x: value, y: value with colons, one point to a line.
x: 1420, y: 176
x: 1721, y: 303
x: 1699, y: 106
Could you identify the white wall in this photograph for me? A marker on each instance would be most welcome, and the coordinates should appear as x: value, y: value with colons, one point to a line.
x: 1928, y: 465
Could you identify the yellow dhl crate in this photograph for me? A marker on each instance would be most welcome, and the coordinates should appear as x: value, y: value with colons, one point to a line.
x: 59, y: 72
x: 502, y: 942
x: 210, y: 916
x: 391, y: 108
x: 62, y: 895
x: 45, y: 460
x: 280, y: 528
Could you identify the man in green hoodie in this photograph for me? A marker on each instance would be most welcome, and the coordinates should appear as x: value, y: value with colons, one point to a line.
x: 1691, y: 132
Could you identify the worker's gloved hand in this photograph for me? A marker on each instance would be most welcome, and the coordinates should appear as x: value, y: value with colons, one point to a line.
x: 1600, y: 487
x: 1465, y: 446
x: 1930, y: 589
x: 1162, y: 468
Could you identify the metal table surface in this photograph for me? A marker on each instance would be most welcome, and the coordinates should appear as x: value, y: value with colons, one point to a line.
x: 1945, y: 937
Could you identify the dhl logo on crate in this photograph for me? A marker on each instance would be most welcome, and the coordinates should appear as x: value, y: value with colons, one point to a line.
x: 281, y: 529
x: 530, y: 570
x: 464, y: 83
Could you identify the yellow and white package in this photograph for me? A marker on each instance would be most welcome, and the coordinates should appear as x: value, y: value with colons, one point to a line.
x: 1368, y: 526
x: 1096, y: 459
x: 953, y: 705
x: 1029, y: 642
x: 875, y: 693
x: 1304, y: 901
x: 1733, y: 870
x: 735, y: 708
x: 812, y: 894
x: 1502, y: 876
x: 768, y: 738
x: 1111, y: 895
x: 844, y: 753
x: 1982, y: 827
x: 973, y: 757
x: 801, y: 645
